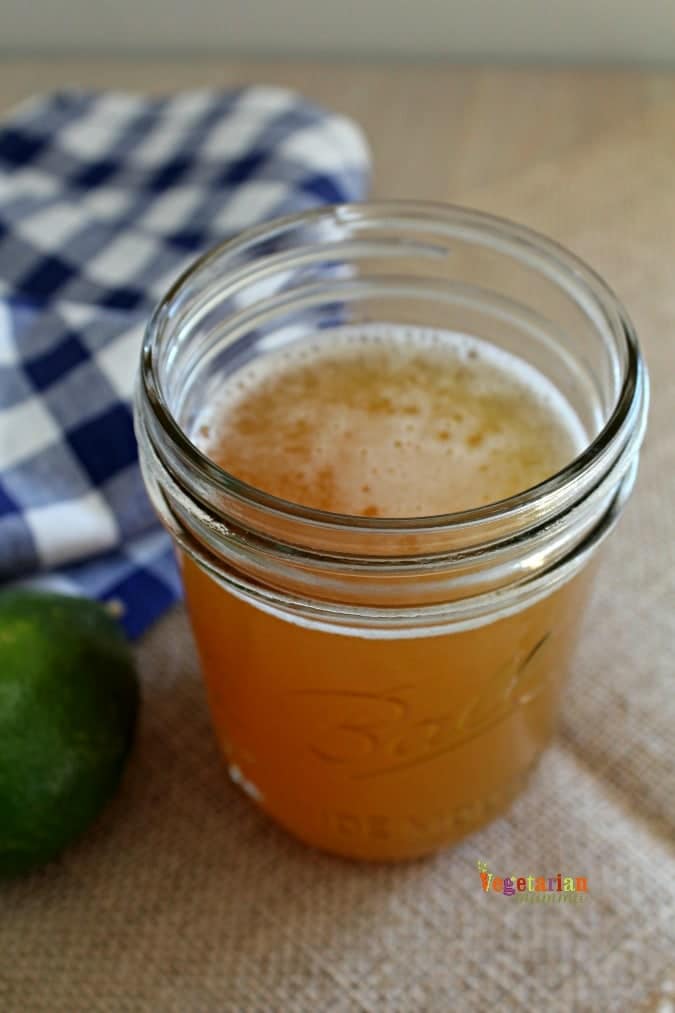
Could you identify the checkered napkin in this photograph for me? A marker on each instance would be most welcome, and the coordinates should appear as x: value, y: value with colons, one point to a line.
x: 103, y: 200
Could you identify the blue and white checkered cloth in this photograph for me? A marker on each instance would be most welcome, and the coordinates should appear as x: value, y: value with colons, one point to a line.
x: 104, y: 199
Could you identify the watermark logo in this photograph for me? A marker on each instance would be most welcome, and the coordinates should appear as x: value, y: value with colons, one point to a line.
x: 556, y: 889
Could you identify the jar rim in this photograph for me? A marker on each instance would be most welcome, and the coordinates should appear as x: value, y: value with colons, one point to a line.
x: 626, y: 418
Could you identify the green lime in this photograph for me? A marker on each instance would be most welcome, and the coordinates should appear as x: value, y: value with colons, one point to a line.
x: 68, y: 703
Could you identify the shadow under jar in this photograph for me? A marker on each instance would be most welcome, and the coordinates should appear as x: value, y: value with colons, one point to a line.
x: 383, y: 686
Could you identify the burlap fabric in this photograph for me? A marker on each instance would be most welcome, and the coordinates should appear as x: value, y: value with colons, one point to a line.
x: 184, y: 898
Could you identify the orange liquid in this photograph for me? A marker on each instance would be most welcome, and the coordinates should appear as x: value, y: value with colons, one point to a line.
x: 385, y: 748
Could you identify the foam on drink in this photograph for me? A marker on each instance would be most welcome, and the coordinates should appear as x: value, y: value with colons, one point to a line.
x: 386, y: 421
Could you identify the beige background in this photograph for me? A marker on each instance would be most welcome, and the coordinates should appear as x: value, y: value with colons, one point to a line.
x: 572, y: 30
x: 184, y: 897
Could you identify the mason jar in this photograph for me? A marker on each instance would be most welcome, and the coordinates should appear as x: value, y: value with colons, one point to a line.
x: 383, y: 686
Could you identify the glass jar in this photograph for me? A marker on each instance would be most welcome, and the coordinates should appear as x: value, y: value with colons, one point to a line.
x: 382, y: 687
